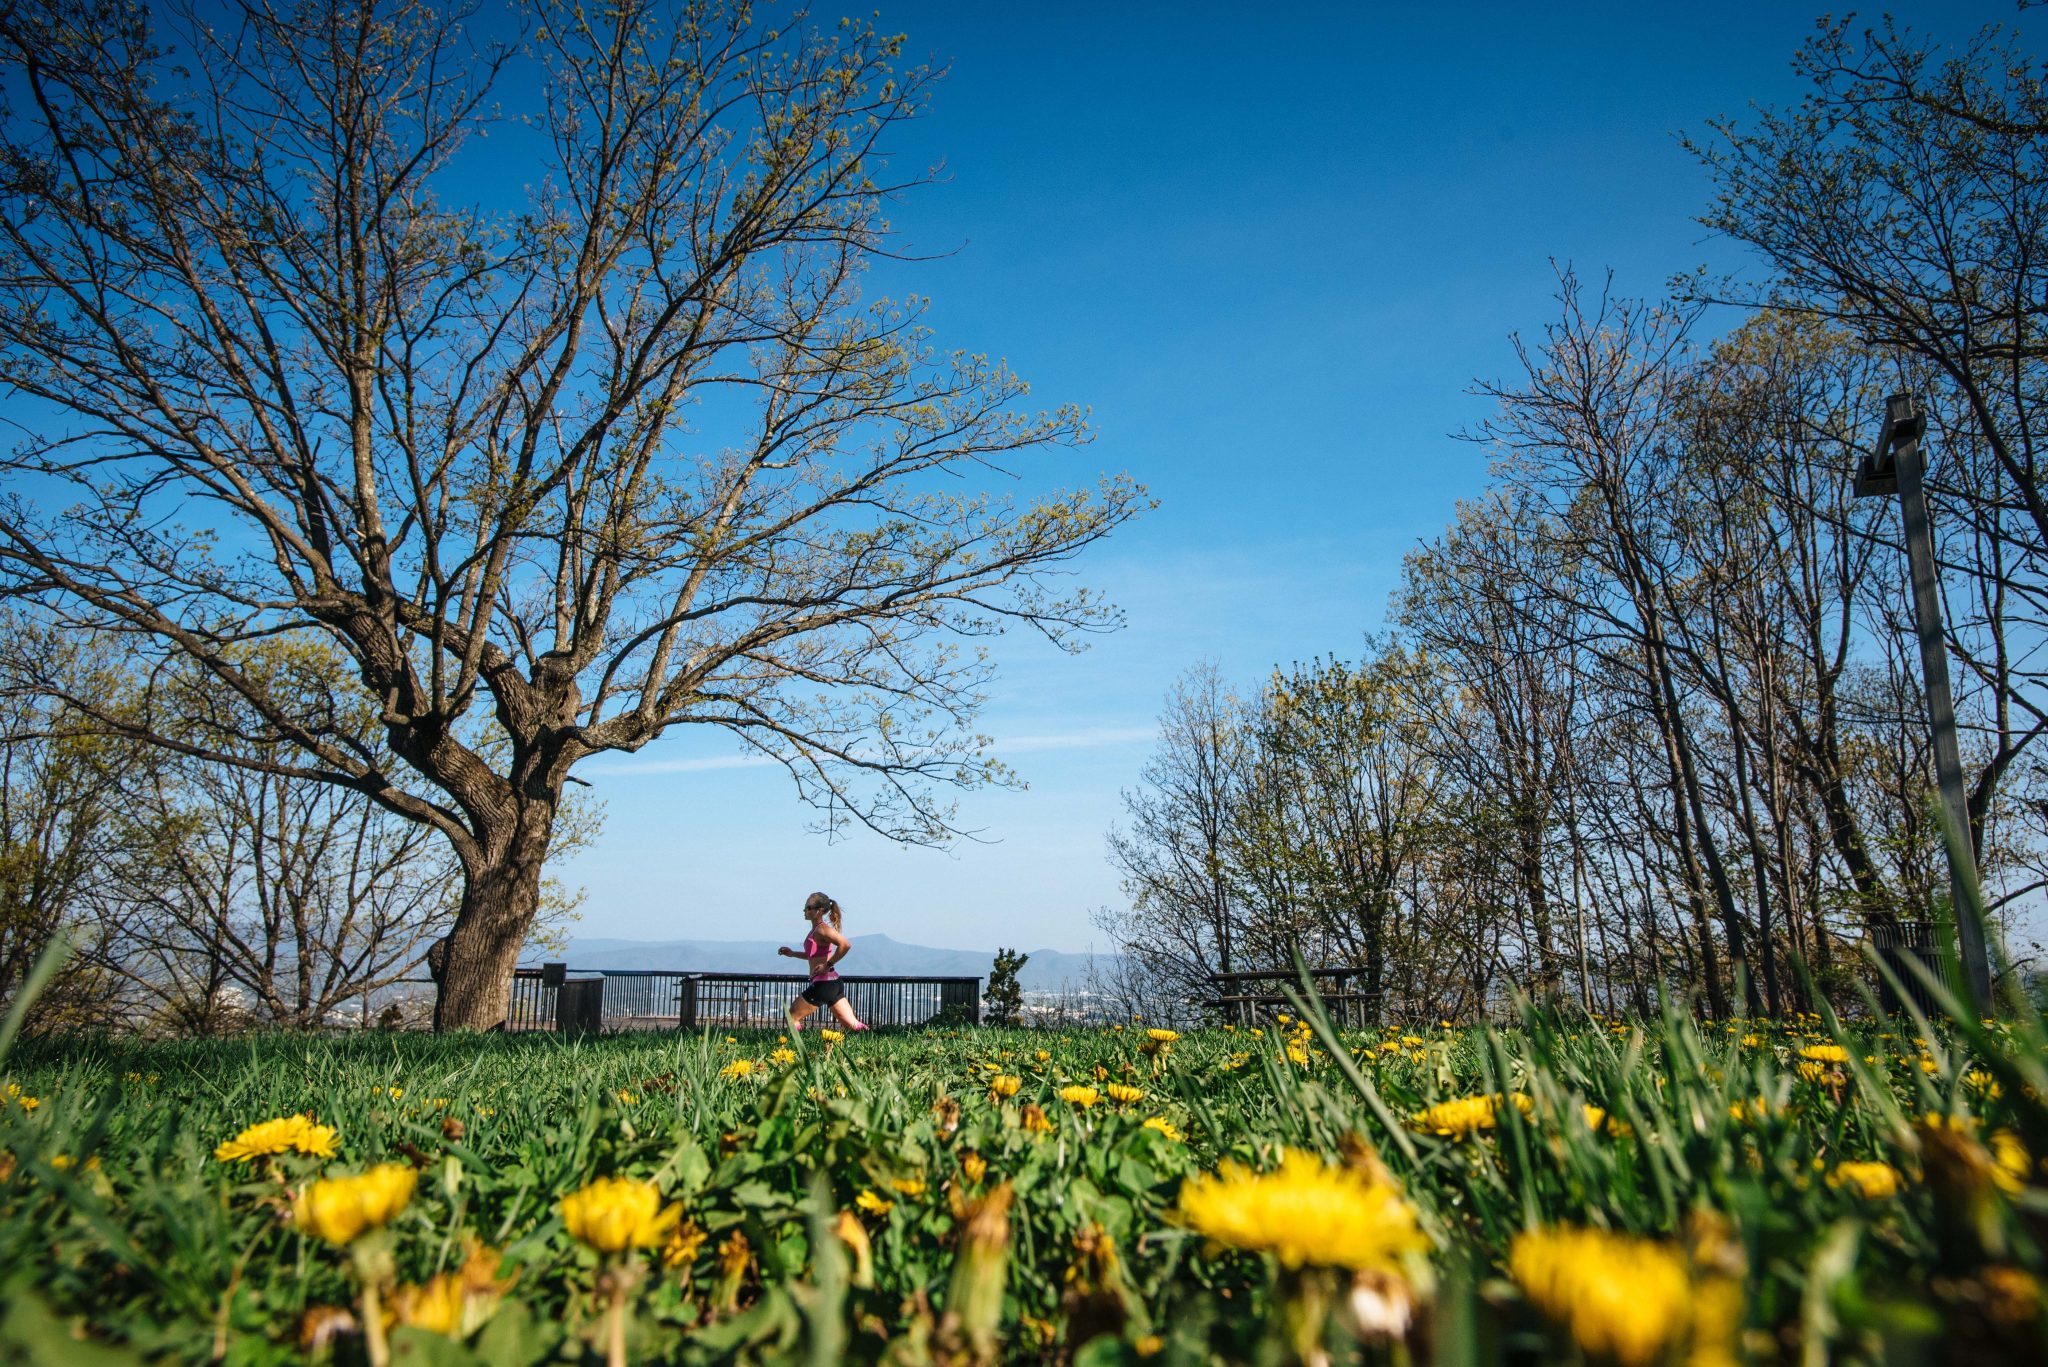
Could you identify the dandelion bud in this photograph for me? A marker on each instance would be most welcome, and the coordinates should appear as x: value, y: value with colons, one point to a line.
x: 851, y: 1232
x: 974, y: 1304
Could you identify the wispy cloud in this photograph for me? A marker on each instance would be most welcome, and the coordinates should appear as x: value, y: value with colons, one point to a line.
x: 1092, y: 738
x: 1087, y: 738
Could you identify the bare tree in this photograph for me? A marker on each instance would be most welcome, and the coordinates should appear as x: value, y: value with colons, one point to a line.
x: 1593, y: 421
x: 616, y: 449
x: 1474, y: 603
x: 1180, y: 924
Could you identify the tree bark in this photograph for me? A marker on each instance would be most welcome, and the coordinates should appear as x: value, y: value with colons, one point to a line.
x: 500, y: 898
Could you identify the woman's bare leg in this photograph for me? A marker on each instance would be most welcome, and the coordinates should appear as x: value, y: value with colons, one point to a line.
x: 843, y: 1009
x: 799, y: 1012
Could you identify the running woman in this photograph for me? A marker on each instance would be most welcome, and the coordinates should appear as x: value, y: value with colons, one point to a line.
x: 823, y: 948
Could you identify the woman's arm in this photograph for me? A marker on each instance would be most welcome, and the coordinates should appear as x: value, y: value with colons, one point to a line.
x: 841, y: 946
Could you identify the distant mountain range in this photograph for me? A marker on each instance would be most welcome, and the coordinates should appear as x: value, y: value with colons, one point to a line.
x: 1048, y: 970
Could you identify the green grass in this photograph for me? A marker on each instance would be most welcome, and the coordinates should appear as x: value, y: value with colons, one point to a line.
x: 120, y: 1232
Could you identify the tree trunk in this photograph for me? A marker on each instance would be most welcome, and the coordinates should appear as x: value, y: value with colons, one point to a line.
x: 1686, y: 783
x: 499, y: 901
x: 1529, y: 866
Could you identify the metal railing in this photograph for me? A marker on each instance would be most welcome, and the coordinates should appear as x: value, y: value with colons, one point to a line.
x: 660, y: 999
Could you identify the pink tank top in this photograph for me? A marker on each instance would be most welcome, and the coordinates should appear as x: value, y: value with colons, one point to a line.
x: 813, y: 947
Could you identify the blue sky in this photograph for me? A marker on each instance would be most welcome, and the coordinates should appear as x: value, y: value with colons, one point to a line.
x: 1271, y: 249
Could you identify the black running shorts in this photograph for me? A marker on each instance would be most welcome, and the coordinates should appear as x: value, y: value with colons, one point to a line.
x: 824, y: 991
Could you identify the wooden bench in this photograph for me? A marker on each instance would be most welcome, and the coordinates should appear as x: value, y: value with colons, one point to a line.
x: 1242, y: 1006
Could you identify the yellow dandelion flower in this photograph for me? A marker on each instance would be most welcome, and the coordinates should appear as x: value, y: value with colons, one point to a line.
x: 2011, y: 1164
x: 1307, y: 1213
x: 1462, y: 1116
x: 1982, y: 1083
x: 1598, y: 1121
x: 873, y: 1204
x: 613, y: 1214
x: 1158, y: 1036
x: 1621, y: 1298
x: 1871, y: 1181
x: 1043, y: 1055
x: 627, y: 1098
x: 341, y: 1209
x: 782, y: 1057
x: 1084, y: 1097
x: 1824, y: 1053
x: 1122, y: 1094
x: 908, y: 1186
x: 1004, y: 1084
x: 737, y: 1069
x: 1035, y: 1120
x: 973, y: 1167
x: 454, y: 1303
x: 287, y: 1134
x: 1297, y: 1055
x: 1164, y: 1126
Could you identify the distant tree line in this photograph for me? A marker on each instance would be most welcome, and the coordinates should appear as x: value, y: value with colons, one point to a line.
x: 1650, y: 711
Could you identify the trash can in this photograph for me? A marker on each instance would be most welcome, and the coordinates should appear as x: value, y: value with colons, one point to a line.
x: 579, y: 1006
x: 1899, y: 945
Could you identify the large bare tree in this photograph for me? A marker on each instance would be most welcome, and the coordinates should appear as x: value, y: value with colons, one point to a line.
x: 529, y: 368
